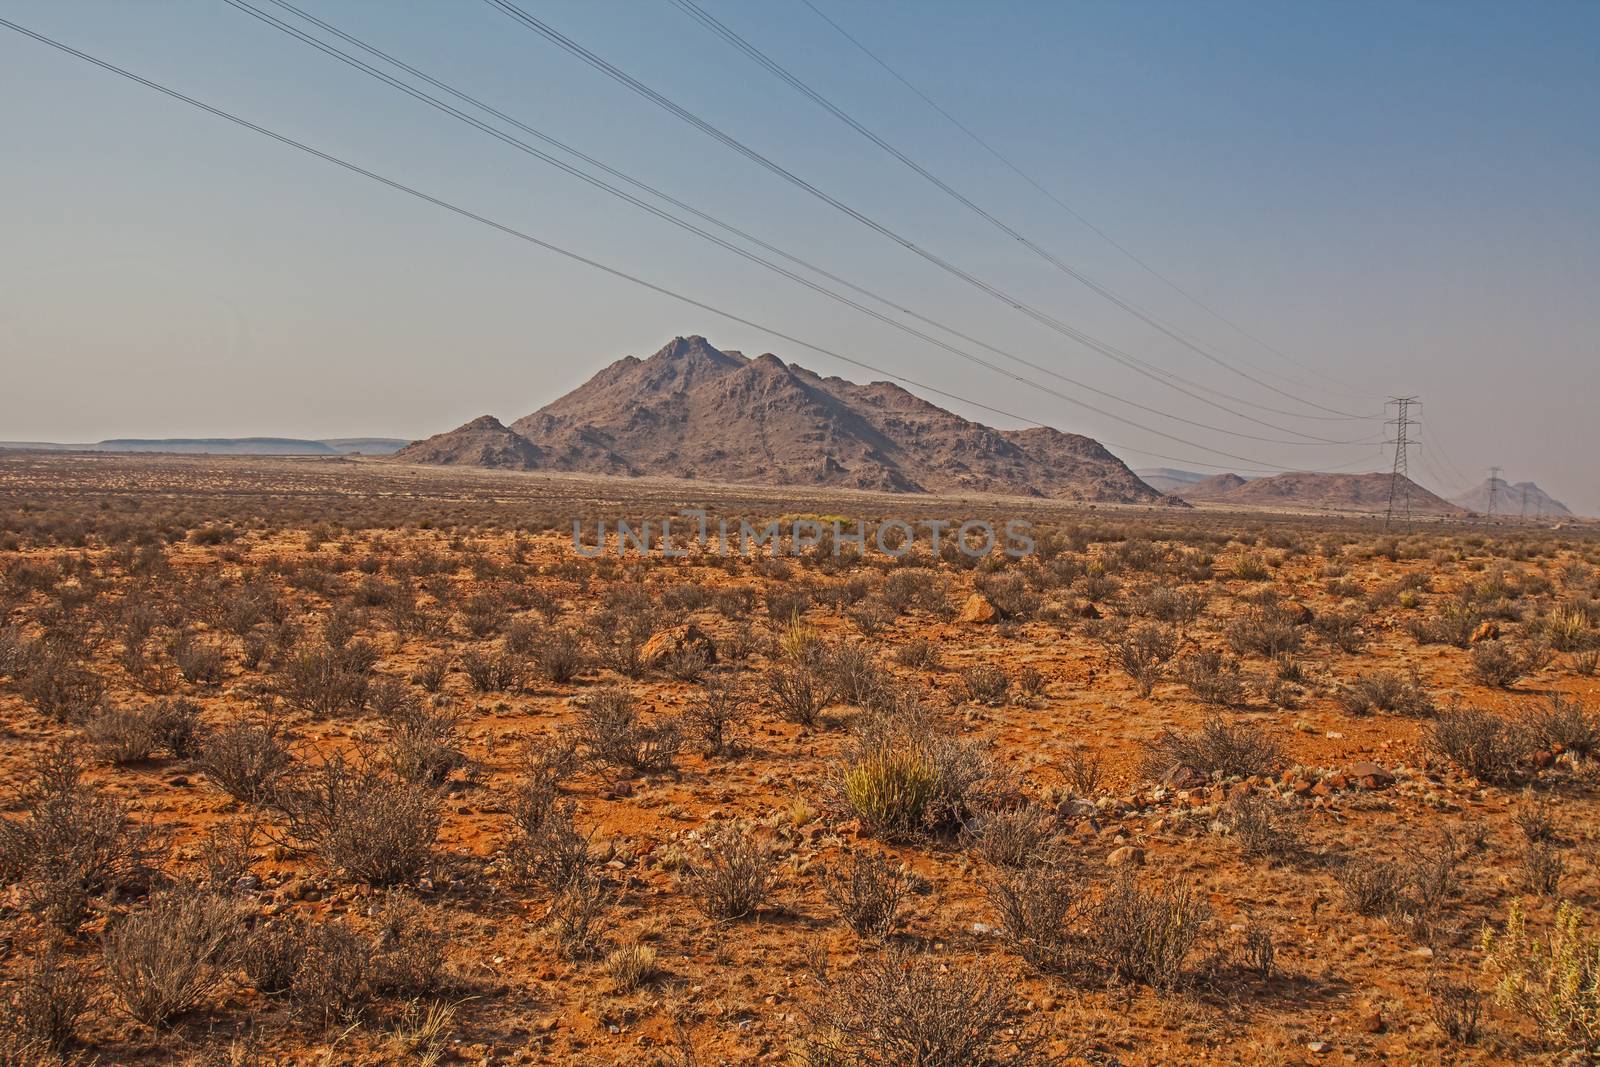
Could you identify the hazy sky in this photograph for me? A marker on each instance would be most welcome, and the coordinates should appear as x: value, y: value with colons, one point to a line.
x: 1403, y: 196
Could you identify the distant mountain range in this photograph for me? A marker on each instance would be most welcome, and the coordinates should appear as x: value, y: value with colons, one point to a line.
x: 1367, y: 493
x: 229, y: 446
x: 1519, y: 499
x: 1167, y: 479
x: 694, y: 411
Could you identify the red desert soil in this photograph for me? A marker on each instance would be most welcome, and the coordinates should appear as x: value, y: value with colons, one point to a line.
x: 381, y: 615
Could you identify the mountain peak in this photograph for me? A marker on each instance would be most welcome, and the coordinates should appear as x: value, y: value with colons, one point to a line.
x: 694, y: 411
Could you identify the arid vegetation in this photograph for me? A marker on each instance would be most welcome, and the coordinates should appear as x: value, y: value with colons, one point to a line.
x: 307, y: 763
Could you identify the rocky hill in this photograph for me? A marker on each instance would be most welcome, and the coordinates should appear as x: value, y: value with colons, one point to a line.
x: 483, y: 442
x: 1520, y: 499
x: 1368, y: 493
x: 693, y: 411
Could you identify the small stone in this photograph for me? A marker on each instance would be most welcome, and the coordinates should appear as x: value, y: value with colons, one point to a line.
x: 1126, y: 856
x: 1318, y: 1047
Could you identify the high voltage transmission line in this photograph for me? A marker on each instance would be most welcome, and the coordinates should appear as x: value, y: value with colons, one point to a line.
x: 1039, y: 186
x: 1164, y: 377
x: 446, y: 108
x: 510, y: 231
x: 717, y: 27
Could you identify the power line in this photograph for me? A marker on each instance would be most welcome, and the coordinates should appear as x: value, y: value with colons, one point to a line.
x: 1064, y: 206
x: 1162, y: 376
x: 510, y: 231
x: 1494, y: 488
x: 719, y: 28
x: 442, y: 106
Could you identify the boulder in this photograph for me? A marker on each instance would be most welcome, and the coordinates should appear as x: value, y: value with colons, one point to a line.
x: 679, y: 640
x: 1370, y: 775
x: 1126, y: 856
x: 1488, y: 630
x: 977, y: 609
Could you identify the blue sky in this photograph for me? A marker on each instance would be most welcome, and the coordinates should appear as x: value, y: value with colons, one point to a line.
x: 1401, y: 195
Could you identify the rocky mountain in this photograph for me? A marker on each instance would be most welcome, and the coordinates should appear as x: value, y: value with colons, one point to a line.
x: 693, y: 411
x: 1216, y: 487
x: 1167, y: 479
x: 1519, y: 499
x: 1367, y: 493
x: 483, y: 442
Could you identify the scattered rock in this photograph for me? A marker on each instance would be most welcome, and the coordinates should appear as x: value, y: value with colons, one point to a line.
x: 677, y: 641
x: 1370, y: 776
x: 1126, y: 856
x: 977, y: 609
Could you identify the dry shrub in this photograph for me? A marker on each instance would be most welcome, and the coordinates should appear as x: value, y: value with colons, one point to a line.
x: 1341, y: 629
x: 919, y: 652
x: 332, y: 982
x: 1563, y: 724
x: 560, y: 656
x: 1455, y: 1008
x: 899, y: 1007
x: 41, y: 1012
x: 1145, y: 936
x: 1212, y: 677
x: 866, y: 890
x: 735, y: 873
x: 1169, y: 604
x: 1037, y: 904
x: 1495, y: 664
x: 199, y: 663
x: 717, y: 714
x: 247, y: 760
x: 577, y: 915
x: 1481, y: 743
x: 613, y: 737
x: 59, y: 686
x: 545, y: 847
x: 327, y: 681
x: 1142, y: 652
x: 270, y: 954
x: 1216, y: 748
x: 361, y: 821
x: 72, y: 843
x: 1012, y: 836
x: 491, y: 672
x: 121, y: 735
x: 423, y: 745
x: 1268, y: 630
x: 409, y: 949
x: 986, y: 684
x: 1413, y: 892
x: 1264, y: 828
x: 1386, y: 691
x: 800, y: 693
x: 161, y: 959
x: 1541, y: 868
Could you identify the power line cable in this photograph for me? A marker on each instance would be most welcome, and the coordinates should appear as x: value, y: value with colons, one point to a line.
x: 1162, y: 376
x: 1064, y: 206
x: 358, y: 64
x: 510, y: 231
x: 719, y: 28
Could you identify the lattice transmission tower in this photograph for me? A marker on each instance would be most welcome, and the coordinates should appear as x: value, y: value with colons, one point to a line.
x: 1399, y: 478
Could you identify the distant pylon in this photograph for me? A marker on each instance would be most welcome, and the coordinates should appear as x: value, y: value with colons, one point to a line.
x: 1494, y: 488
x: 1399, y: 479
